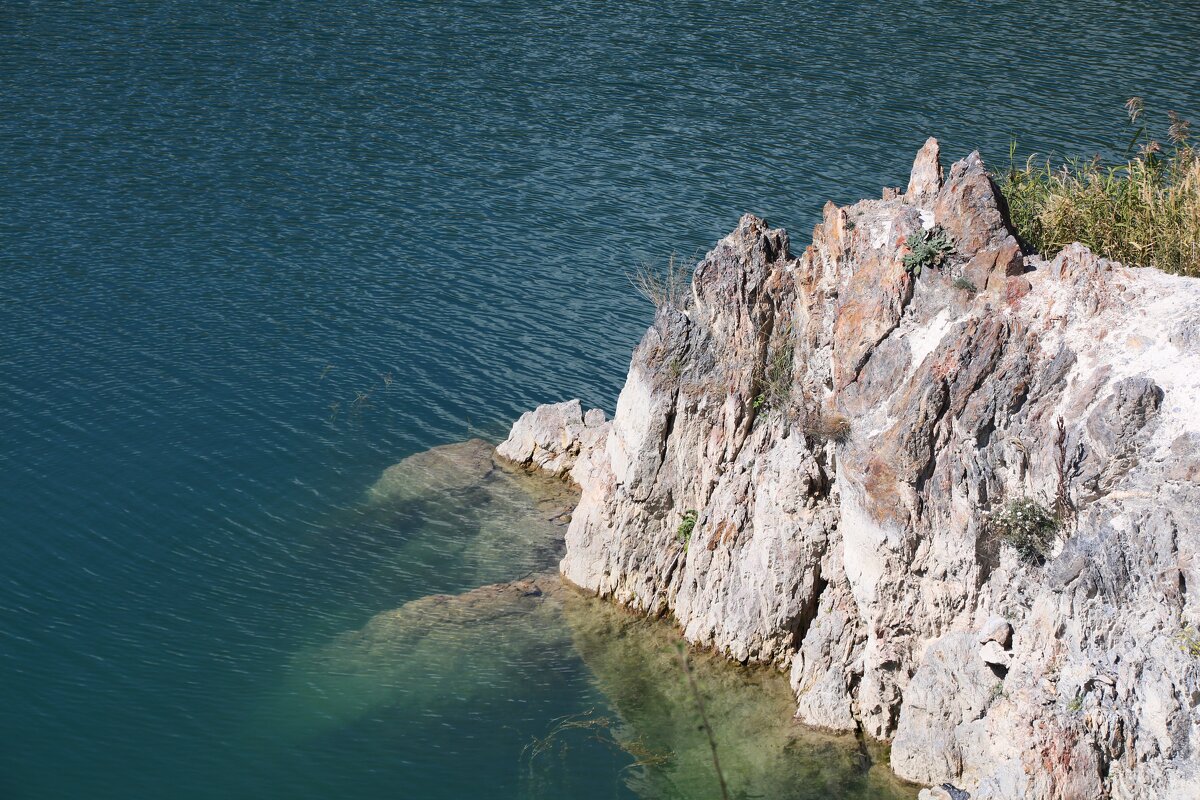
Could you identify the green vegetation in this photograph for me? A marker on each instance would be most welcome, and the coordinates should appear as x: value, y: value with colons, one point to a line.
x: 1029, y: 528
x: 668, y: 286
x: 1143, y: 211
x: 1075, y: 704
x: 965, y: 285
x: 684, y: 533
x: 1189, y: 641
x: 927, y: 249
x: 775, y: 385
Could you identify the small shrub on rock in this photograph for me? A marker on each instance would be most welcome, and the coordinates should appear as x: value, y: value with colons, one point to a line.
x: 1028, y: 527
x: 684, y: 533
x: 1189, y: 641
x: 927, y: 249
x: 828, y: 427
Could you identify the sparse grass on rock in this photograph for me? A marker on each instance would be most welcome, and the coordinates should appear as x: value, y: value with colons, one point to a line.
x: 775, y: 387
x: 1029, y: 528
x: 1143, y: 211
x: 665, y: 286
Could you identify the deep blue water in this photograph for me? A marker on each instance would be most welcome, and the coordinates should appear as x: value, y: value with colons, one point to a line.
x: 256, y: 252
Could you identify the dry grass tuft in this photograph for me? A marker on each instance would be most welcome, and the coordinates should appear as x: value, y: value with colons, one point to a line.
x: 669, y: 286
x: 1144, y: 211
x: 828, y: 426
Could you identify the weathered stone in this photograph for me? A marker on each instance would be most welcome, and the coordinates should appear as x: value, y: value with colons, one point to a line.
x: 841, y: 432
x: 992, y: 653
x: 551, y: 437
x: 926, y: 177
x: 998, y: 630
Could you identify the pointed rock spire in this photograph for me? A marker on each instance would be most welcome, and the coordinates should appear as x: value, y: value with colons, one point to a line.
x: 926, y: 177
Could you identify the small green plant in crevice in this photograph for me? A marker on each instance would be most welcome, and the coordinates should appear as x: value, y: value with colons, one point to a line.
x: 927, y: 249
x: 1075, y: 704
x: 684, y: 532
x: 1029, y: 528
x: 1189, y: 641
x: 998, y: 692
x: 965, y: 285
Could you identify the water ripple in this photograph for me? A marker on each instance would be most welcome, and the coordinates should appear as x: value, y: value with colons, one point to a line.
x: 256, y: 253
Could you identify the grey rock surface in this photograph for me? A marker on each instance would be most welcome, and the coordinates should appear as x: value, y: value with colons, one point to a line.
x: 844, y: 432
x: 551, y: 437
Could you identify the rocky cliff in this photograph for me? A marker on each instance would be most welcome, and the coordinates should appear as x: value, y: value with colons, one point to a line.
x: 952, y: 488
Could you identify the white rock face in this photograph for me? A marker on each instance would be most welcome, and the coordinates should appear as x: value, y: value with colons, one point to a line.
x: 551, y: 437
x: 844, y: 431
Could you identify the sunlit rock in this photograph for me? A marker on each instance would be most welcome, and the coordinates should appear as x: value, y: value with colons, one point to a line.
x: 841, y: 428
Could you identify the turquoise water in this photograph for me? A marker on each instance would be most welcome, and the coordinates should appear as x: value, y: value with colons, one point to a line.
x: 255, y: 253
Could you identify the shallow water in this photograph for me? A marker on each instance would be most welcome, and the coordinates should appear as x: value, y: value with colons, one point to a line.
x: 256, y: 253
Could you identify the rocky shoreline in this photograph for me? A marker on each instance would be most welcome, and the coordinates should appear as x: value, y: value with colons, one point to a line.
x: 505, y: 630
x: 812, y: 461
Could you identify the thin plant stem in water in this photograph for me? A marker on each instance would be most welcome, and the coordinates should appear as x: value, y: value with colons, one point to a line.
x: 712, y: 740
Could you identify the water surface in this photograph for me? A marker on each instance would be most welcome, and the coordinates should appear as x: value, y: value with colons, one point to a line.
x: 254, y: 253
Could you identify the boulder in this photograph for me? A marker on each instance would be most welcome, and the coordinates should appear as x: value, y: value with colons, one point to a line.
x: 551, y: 437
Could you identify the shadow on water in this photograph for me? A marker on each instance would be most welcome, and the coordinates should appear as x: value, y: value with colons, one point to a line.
x: 488, y: 652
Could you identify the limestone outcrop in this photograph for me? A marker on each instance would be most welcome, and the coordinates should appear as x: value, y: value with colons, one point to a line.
x: 551, y: 438
x: 825, y: 461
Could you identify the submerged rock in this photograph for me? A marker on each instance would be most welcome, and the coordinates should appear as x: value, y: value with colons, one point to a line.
x: 436, y: 651
x: 843, y: 427
x: 448, y: 468
x: 762, y: 753
x: 455, y: 653
x: 464, y: 510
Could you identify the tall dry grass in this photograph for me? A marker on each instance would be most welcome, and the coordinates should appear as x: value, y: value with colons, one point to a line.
x: 1143, y: 211
x: 665, y: 286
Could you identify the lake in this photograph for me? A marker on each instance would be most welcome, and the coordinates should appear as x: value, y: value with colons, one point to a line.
x: 255, y: 253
